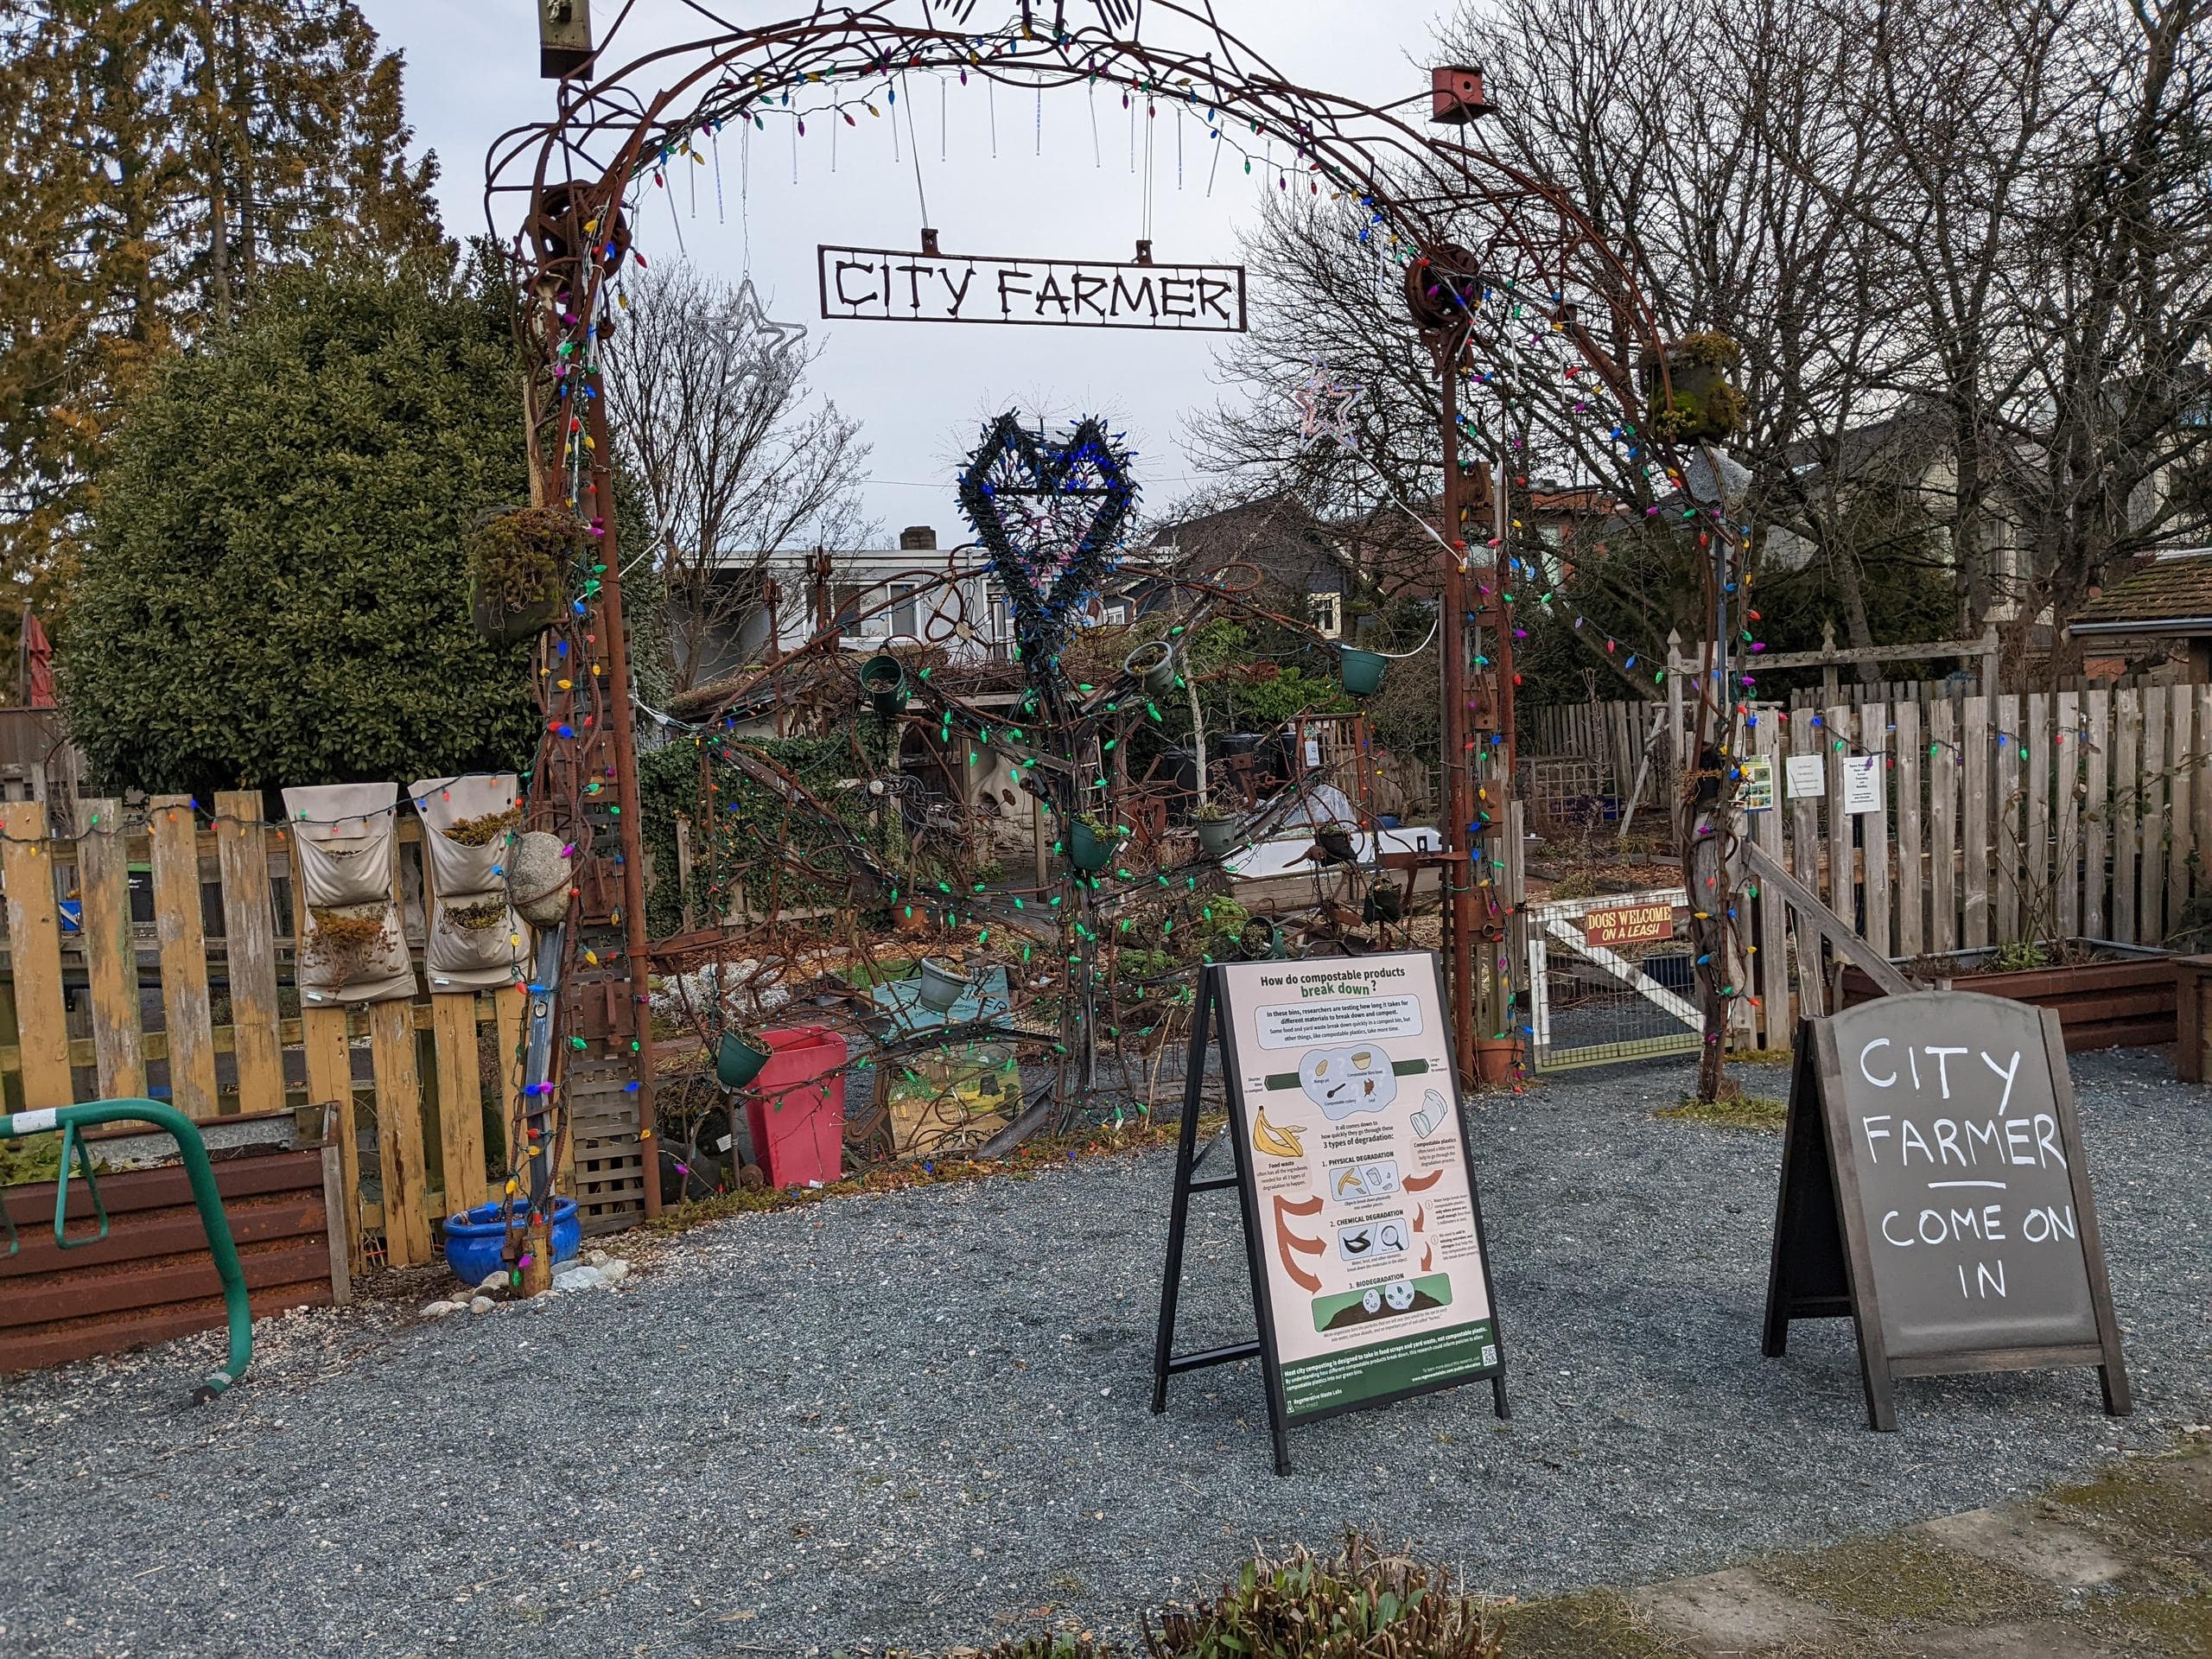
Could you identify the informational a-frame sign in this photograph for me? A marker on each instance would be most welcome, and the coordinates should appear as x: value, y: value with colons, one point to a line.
x: 1934, y: 1190
x: 1363, y: 1231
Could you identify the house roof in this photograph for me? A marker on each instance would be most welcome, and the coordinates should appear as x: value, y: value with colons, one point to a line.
x: 2171, y: 596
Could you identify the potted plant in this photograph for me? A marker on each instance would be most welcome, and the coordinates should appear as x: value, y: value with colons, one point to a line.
x: 1261, y: 940
x: 883, y: 678
x: 940, y: 988
x: 515, y: 565
x: 1153, y: 666
x: 1335, y: 844
x: 1693, y: 401
x: 739, y: 1058
x: 1091, y: 844
x: 1217, y: 831
x: 1384, y: 903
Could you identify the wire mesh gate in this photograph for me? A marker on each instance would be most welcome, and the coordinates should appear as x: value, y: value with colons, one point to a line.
x: 1609, y: 980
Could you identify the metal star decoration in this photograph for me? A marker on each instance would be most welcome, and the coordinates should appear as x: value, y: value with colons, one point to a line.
x: 751, y: 341
x: 1325, y: 407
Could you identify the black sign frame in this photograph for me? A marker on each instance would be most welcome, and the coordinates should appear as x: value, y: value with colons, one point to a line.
x: 1821, y: 1265
x: 1118, y: 274
x: 1190, y: 1159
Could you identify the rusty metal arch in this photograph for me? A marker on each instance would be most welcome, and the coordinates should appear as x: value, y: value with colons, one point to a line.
x: 1426, y: 192
x: 1447, y: 208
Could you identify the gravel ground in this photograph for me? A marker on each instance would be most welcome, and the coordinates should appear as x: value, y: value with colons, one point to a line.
x: 921, y: 1418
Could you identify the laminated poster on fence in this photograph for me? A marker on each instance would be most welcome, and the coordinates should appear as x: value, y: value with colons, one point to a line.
x: 1345, y: 1099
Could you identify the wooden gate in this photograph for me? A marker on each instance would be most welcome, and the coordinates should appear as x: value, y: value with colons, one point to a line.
x: 1608, y: 982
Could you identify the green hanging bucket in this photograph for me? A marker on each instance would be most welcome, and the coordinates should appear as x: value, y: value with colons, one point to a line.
x: 1261, y: 939
x: 1153, y: 666
x: 1087, y: 849
x: 1361, y: 671
x: 883, y: 678
x: 737, y: 1059
x: 1217, y: 837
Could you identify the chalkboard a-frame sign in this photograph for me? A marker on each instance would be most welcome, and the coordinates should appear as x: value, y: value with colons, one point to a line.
x: 1370, y: 1274
x: 1934, y: 1190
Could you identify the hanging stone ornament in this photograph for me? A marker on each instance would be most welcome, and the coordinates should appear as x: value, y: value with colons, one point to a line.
x: 1048, y: 515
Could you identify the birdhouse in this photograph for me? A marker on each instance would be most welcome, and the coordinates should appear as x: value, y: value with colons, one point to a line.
x: 1456, y: 95
x: 563, y: 38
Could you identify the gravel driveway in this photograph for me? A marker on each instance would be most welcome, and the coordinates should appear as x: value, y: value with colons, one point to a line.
x: 920, y: 1419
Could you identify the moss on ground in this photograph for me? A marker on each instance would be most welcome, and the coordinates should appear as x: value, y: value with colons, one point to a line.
x: 1589, y: 1624
x: 2150, y: 1497
x: 1761, y: 1112
x: 2180, y: 1626
x: 1901, y: 1579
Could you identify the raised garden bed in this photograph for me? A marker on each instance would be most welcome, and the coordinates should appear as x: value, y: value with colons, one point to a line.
x: 2106, y: 995
x: 152, y: 1277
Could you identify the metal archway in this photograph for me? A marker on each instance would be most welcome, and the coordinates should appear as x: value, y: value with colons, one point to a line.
x: 1408, y: 185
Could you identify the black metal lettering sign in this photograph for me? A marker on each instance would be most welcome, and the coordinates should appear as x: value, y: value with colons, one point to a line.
x: 1934, y: 1190
x: 883, y: 285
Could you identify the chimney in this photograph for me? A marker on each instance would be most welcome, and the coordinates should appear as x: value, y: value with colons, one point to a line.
x: 918, y: 539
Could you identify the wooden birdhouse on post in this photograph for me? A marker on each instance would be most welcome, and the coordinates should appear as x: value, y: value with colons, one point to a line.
x: 1456, y: 95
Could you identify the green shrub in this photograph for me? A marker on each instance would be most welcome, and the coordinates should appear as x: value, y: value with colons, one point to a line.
x: 1358, y: 1603
x: 274, y: 592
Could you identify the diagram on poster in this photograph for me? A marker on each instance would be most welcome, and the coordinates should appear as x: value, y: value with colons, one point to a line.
x: 1341, y: 1093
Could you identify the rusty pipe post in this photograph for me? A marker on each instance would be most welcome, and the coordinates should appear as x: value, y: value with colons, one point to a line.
x: 1459, y: 782
x: 622, y: 734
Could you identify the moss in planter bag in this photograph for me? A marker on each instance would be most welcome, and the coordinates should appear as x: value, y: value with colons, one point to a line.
x: 345, y: 837
x: 476, y: 941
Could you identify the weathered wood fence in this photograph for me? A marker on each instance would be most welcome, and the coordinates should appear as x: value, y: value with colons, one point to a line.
x: 154, y: 953
x: 1974, y: 822
x: 1614, y: 734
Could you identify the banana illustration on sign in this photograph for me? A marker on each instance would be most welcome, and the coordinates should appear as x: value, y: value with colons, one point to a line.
x: 1277, y: 1142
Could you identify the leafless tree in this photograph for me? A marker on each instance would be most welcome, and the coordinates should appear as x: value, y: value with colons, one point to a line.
x: 1983, y: 222
x: 738, y: 460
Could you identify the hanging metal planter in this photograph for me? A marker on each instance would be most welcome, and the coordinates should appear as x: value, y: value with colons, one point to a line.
x: 1089, y: 847
x: 883, y: 679
x: 1361, y: 671
x: 1261, y: 940
x: 940, y: 988
x: 737, y: 1059
x: 1153, y: 666
x: 1217, y: 837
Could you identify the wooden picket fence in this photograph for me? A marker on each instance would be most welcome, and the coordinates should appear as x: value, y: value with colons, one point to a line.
x: 155, y: 954
x: 1991, y: 821
x: 1614, y: 734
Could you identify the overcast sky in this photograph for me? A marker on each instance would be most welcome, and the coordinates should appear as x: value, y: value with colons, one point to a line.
x: 922, y: 390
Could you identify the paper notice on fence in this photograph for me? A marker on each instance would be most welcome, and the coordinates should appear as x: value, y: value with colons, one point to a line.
x: 1808, y: 775
x: 1862, y: 783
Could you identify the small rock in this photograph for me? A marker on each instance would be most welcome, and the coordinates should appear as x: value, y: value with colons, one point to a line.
x: 438, y: 1310
x: 482, y: 1305
x: 596, y: 1258
x: 574, y: 1278
x: 615, y: 1271
x: 495, y: 1281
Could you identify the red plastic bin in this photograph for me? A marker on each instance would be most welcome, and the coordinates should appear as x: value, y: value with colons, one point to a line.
x: 796, y: 1107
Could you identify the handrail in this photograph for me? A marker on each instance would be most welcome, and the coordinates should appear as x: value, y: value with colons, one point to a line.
x: 1814, y: 913
x: 69, y: 1120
